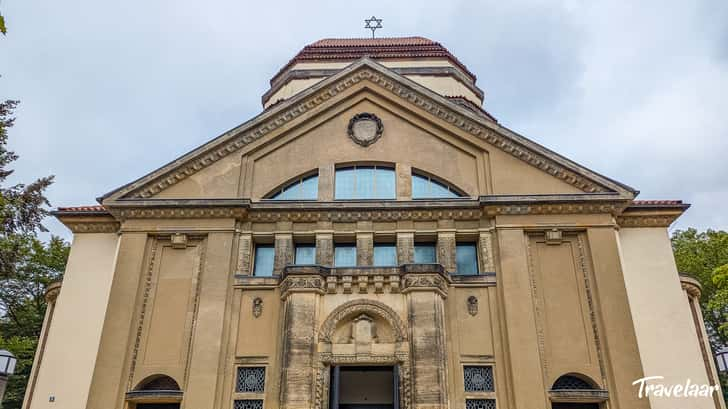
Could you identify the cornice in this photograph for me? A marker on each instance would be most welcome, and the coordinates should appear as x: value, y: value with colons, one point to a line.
x: 651, y: 215
x: 89, y: 223
x: 304, y: 74
x: 388, y: 81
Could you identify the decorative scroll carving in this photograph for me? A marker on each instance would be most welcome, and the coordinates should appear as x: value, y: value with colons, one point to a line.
x: 257, y: 307
x: 414, y: 282
x: 298, y: 283
x: 365, y: 128
x: 473, y: 305
x: 363, y: 306
x: 52, y: 291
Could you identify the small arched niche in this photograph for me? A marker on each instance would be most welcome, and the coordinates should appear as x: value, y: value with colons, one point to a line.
x: 155, y: 392
x: 576, y: 391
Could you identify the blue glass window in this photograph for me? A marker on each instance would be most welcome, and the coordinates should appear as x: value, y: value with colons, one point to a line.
x: 466, y: 257
x: 264, y: 256
x: 305, y: 254
x: 424, y: 187
x: 425, y: 253
x: 303, y: 188
x: 365, y: 182
x: 345, y: 255
x: 385, y: 255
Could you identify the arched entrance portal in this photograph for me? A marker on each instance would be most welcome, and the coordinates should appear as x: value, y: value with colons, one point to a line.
x: 364, y: 358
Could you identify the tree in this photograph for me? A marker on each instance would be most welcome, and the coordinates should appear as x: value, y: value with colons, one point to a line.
x: 704, y: 255
x: 22, y: 300
x: 22, y: 207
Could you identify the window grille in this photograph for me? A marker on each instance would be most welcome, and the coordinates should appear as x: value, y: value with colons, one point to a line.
x: 252, y: 404
x: 250, y: 379
x: 571, y: 382
x: 477, y: 404
x: 478, y: 378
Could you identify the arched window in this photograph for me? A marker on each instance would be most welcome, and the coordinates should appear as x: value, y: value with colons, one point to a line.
x: 301, y: 188
x: 156, y: 392
x: 576, y: 392
x: 425, y: 187
x: 570, y: 382
x: 365, y: 182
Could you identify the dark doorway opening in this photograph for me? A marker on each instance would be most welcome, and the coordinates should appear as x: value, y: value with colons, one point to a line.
x: 364, y: 387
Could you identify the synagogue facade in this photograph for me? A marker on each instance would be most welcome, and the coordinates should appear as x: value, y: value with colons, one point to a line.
x: 374, y: 238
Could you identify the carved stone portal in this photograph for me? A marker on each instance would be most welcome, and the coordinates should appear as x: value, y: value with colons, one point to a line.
x: 363, y: 332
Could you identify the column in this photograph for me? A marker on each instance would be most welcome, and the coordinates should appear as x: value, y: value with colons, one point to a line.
x: 301, y: 295
x: 425, y: 292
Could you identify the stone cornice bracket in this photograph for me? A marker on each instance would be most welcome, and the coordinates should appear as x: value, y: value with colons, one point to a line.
x: 178, y: 240
x: 554, y: 237
x: 691, y: 286
x: 52, y: 291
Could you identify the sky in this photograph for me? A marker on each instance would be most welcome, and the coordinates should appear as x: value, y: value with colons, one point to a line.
x: 109, y: 91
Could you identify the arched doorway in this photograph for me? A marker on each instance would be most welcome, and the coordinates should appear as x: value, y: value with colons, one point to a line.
x: 364, y: 358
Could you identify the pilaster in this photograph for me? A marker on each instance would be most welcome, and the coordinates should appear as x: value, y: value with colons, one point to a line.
x: 300, y: 294
x: 446, y: 250
x: 405, y: 247
x: 425, y: 292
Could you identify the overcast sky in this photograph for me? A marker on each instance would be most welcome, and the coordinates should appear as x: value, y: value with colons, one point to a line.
x: 112, y: 90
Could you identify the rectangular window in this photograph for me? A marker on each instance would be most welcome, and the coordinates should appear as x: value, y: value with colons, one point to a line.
x: 305, y: 254
x: 250, y: 379
x: 345, y: 183
x: 365, y: 182
x: 478, y: 378
x: 264, y: 256
x: 250, y: 404
x: 345, y: 255
x: 425, y: 253
x: 466, y: 257
x: 478, y: 404
x: 385, y: 255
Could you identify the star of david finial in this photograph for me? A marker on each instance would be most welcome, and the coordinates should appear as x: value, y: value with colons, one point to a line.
x: 373, y: 24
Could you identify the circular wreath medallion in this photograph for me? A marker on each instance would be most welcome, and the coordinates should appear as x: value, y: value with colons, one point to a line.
x: 365, y: 128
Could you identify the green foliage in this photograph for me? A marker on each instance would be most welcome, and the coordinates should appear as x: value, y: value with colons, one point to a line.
x: 24, y: 349
x: 3, y: 29
x: 22, y: 207
x: 22, y: 301
x: 704, y: 255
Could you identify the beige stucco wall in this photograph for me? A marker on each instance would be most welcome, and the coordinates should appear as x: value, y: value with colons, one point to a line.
x: 73, y: 338
x: 666, y: 334
x: 443, y: 85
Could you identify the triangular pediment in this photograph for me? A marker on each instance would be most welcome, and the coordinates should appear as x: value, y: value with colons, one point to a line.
x: 221, y: 156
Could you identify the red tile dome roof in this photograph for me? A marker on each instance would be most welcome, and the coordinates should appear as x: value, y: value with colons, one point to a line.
x: 349, y: 49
